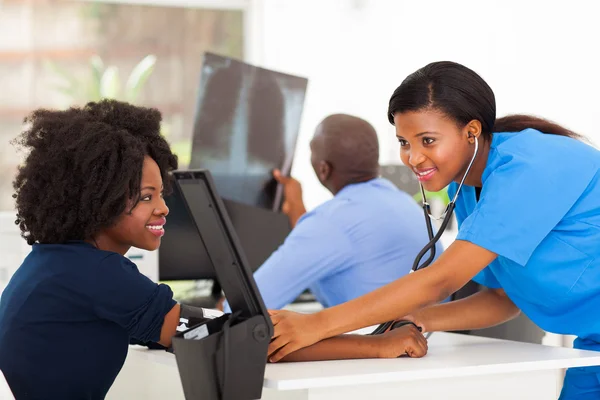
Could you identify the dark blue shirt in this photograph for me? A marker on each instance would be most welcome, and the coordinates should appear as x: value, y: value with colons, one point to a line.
x: 66, y: 319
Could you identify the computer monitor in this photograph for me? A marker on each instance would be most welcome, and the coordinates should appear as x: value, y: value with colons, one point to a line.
x: 247, y: 123
x: 259, y: 231
x: 181, y: 255
x: 221, y: 358
x: 210, y: 244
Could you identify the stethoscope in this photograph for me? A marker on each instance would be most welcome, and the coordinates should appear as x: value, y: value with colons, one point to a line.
x: 430, y: 247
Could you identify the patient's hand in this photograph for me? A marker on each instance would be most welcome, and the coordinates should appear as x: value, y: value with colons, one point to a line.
x: 403, y: 340
x: 293, y: 205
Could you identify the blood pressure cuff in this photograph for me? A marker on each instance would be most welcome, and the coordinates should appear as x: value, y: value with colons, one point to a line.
x: 403, y: 322
x: 188, y: 317
x: 191, y: 316
x: 388, y: 326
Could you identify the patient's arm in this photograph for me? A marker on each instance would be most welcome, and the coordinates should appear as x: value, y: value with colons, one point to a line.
x: 404, y: 340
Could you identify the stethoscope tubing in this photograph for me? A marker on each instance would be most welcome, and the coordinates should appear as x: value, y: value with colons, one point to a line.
x: 430, y: 247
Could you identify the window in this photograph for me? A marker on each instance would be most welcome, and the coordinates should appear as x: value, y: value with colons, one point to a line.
x: 59, y: 53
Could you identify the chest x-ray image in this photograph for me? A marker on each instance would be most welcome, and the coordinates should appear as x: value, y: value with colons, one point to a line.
x: 247, y: 123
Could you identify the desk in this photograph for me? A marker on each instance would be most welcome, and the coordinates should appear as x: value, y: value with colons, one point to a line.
x: 457, y: 367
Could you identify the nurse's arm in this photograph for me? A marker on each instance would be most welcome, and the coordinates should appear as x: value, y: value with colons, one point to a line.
x: 484, y: 309
x: 451, y: 271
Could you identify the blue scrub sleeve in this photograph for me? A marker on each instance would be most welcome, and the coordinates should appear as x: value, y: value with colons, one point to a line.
x: 522, y: 201
x: 313, y: 250
x: 486, y: 278
x: 125, y: 296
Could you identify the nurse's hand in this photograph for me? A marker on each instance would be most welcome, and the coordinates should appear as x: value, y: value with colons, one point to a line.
x: 293, y: 331
x: 415, y: 319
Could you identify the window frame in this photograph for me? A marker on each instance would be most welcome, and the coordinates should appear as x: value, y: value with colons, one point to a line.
x: 252, y: 11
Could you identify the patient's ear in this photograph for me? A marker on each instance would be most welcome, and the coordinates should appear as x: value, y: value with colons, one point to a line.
x: 324, y: 171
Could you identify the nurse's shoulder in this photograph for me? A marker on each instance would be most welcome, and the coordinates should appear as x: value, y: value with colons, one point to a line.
x: 538, y: 145
x: 545, y: 153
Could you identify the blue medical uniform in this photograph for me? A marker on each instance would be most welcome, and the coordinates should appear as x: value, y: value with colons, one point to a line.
x: 539, y: 210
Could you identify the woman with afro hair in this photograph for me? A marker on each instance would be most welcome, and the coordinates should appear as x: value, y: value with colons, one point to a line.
x: 90, y: 188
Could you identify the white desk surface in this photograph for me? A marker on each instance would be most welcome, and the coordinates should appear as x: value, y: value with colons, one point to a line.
x: 450, y: 355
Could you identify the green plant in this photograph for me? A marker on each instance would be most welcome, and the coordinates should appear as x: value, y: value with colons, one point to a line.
x: 103, y: 82
x: 441, y: 196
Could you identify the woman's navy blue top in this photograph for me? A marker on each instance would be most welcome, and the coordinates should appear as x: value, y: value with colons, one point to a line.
x: 66, y: 319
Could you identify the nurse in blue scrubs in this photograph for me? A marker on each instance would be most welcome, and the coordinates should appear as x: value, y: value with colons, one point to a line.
x: 529, y: 218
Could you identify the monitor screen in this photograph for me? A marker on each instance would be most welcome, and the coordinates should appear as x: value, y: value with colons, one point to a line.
x: 181, y: 255
x: 247, y: 122
x: 212, y: 237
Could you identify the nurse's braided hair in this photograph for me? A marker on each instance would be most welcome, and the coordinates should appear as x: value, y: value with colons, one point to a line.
x: 464, y: 96
x: 84, y: 165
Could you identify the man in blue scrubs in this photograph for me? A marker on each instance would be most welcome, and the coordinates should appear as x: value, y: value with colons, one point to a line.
x: 363, y: 238
x: 529, y: 223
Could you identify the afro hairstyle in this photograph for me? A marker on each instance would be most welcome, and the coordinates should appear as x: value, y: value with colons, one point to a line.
x: 83, y: 168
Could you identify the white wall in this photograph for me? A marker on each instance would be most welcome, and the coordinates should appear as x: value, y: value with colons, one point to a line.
x: 13, y: 248
x: 540, y: 57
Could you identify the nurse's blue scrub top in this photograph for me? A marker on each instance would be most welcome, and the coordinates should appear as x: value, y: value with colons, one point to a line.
x: 539, y: 210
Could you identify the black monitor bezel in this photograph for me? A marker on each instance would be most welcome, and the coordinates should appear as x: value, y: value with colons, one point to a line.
x: 238, y: 281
